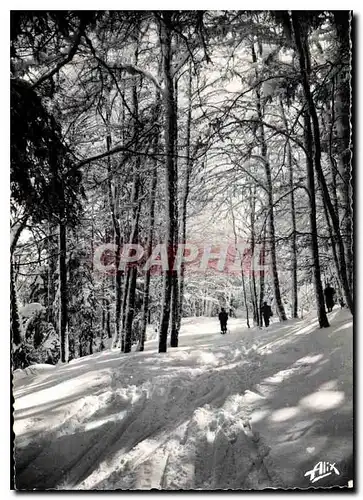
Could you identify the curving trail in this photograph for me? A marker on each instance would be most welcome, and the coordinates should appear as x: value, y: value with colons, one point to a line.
x: 250, y: 410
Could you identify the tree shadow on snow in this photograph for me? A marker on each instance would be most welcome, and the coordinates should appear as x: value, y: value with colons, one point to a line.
x: 278, y: 372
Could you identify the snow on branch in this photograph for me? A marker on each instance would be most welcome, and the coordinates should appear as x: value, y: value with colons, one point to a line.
x: 135, y: 70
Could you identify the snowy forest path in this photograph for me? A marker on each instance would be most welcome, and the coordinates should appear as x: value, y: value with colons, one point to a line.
x: 178, y: 420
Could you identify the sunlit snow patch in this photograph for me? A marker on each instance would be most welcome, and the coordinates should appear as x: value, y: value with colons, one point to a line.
x: 322, y: 400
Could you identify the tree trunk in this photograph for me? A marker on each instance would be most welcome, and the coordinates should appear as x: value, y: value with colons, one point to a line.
x: 130, y: 312
x: 319, y: 296
x: 245, y: 300
x: 63, y: 293
x: 293, y: 220
x: 256, y: 313
x: 15, y: 325
x: 113, y: 202
x: 175, y: 307
x: 271, y: 221
x: 150, y: 237
x: 304, y: 60
x: 242, y: 270
x: 52, y: 268
x: 343, y: 133
x: 262, y: 275
x: 130, y: 301
x: 169, y: 132
x: 271, y: 227
x: 332, y: 243
x: 124, y: 308
x: 333, y: 163
x: 189, y: 164
x: 16, y: 231
x: 108, y: 320
x: 103, y: 319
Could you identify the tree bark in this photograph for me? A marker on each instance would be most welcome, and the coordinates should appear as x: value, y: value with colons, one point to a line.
x: 262, y: 275
x: 108, y: 320
x: 130, y: 302
x: 63, y: 291
x: 189, y: 164
x: 271, y: 219
x: 175, y: 307
x: 52, y: 267
x: 343, y: 133
x: 293, y: 221
x: 150, y: 237
x: 169, y: 132
x: 256, y: 313
x: 15, y: 325
x: 241, y: 258
x: 319, y: 296
x: 113, y: 202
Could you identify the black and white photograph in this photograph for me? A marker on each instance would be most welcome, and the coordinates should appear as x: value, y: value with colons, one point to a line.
x: 182, y: 265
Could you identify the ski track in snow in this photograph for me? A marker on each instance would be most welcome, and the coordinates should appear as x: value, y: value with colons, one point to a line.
x: 241, y: 411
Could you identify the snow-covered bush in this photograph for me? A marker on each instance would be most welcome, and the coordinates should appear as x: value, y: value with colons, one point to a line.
x: 41, y: 341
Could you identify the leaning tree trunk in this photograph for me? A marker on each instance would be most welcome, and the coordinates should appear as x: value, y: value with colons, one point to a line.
x: 130, y: 302
x: 319, y: 296
x: 293, y: 220
x: 169, y: 132
x: 304, y: 61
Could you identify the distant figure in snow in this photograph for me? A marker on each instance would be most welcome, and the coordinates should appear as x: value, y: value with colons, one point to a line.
x: 223, y: 318
x: 266, y: 312
x: 341, y: 302
x: 329, y: 293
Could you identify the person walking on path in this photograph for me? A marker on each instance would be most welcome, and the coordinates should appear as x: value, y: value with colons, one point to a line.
x: 329, y: 293
x: 223, y: 318
x: 266, y: 313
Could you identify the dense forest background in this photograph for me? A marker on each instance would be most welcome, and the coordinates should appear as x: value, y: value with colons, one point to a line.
x: 173, y: 126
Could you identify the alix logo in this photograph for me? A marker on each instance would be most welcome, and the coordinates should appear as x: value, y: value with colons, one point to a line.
x: 321, y: 469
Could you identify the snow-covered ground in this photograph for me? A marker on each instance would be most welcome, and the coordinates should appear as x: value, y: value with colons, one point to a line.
x: 251, y: 409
